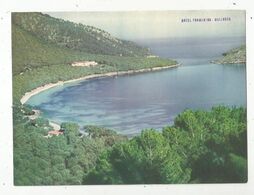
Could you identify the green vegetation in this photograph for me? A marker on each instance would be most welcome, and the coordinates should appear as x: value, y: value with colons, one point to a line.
x: 75, y: 36
x: 34, y: 78
x: 63, y: 159
x: 29, y: 53
x: 200, y: 147
x: 234, y: 56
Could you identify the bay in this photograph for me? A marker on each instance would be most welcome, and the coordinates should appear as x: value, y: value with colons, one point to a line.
x: 131, y: 103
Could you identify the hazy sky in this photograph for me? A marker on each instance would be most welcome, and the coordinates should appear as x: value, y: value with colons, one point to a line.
x: 160, y: 24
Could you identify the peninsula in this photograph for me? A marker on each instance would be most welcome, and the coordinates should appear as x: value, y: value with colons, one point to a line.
x: 234, y: 56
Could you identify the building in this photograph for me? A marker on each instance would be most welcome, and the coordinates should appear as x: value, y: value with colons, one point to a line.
x: 85, y: 63
x: 54, y: 133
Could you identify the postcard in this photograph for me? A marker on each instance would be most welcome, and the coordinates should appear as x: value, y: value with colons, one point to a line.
x: 107, y: 99
x: 138, y: 97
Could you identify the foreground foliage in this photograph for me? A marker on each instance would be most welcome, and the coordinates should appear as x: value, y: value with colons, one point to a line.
x: 201, y: 147
x: 57, y: 160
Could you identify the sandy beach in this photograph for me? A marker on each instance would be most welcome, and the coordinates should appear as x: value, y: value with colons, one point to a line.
x: 55, y: 126
x: 38, y: 90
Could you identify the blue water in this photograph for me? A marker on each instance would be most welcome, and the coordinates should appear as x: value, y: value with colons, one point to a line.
x: 131, y: 103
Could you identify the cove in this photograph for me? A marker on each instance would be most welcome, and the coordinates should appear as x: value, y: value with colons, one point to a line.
x: 130, y: 103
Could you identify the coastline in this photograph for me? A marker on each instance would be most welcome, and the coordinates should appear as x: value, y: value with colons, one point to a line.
x: 55, y: 126
x: 40, y: 89
x: 229, y: 62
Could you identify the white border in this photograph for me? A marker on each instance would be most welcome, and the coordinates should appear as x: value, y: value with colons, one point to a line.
x: 6, y: 154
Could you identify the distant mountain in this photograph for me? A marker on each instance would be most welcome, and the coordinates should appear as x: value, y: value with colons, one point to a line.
x: 74, y: 36
x: 234, y: 56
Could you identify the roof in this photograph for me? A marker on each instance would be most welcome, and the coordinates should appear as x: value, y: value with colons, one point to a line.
x: 55, y: 132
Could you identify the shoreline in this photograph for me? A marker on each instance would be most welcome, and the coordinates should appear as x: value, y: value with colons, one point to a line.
x: 40, y: 89
x: 55, y: 126
x: 230, y: 63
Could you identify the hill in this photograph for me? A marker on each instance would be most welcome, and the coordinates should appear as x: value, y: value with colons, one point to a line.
x: 30, y: 52
x: 38, y: 61
x: 33, y: 47
x: 75, y: 36
x: 234, y: 56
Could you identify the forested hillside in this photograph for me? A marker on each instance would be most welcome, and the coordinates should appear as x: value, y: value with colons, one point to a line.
x: 31, y: 50
x: 234, y: 56
x: 75, y: 36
